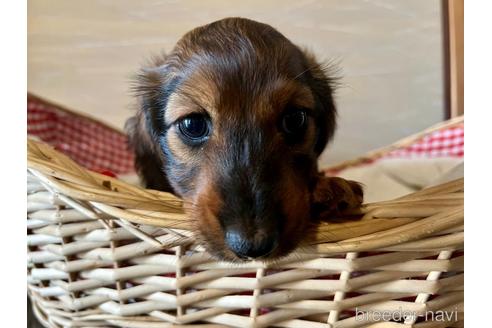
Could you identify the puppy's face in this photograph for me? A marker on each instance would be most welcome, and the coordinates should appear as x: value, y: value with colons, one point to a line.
x: 236, y: 117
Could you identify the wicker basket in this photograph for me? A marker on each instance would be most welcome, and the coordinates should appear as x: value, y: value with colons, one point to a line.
x: 104, y: 253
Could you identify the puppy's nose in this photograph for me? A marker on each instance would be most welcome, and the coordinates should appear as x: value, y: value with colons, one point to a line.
x: 249, y: 248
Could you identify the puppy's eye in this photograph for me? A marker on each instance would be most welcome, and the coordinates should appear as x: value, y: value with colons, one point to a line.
x: 194, y: 127
x: 294, y: 122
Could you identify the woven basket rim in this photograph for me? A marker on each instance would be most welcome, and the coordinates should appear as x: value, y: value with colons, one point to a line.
x: 415, y: 220
x: 401, y: 143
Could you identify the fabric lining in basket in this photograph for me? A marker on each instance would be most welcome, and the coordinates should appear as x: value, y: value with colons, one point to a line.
x: 104, y: 253
x: 92, y: 144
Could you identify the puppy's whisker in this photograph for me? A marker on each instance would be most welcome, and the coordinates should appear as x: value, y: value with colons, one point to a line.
x: 303, y: 72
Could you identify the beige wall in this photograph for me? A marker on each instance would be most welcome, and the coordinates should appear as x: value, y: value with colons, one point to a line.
x: 82, y: 53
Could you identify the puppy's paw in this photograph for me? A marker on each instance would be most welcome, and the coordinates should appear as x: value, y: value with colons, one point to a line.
x: 332, y: 195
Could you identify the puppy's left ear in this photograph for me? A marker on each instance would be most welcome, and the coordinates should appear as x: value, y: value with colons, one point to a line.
x: 145, y: 128
x: 323, y: 86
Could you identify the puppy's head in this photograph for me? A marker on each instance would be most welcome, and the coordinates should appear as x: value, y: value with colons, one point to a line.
x: 234, y: 119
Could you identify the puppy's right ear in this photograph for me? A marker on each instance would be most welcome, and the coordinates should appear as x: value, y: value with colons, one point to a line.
x: 145, y: 128
x: 322, y: 80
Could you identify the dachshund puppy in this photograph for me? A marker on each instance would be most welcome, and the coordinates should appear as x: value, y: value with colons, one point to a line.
x: 233, y: 120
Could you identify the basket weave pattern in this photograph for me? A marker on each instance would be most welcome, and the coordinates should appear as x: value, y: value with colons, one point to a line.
x: 105, y: 253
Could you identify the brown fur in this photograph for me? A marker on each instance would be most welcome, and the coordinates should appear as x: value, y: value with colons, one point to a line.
x: 249, y: 177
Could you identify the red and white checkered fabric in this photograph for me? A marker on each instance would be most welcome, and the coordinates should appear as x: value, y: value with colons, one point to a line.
x: 89, y: 143
x: 448, y: 142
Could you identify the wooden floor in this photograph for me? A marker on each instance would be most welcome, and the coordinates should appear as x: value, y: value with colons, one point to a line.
x: 82, y: 54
